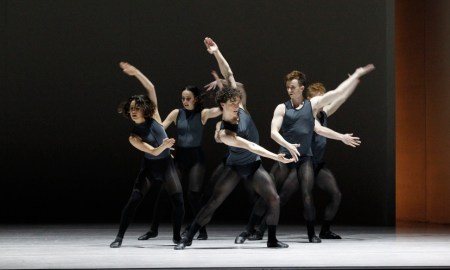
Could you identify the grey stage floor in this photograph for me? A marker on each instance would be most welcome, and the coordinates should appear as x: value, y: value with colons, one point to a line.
x: 87, y: 247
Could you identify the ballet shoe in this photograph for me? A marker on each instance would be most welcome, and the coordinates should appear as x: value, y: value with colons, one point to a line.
x: 183, y: 243
x: 202, y: 236
x: 257, y: 235
x: 240, y: 239
x: 314, y: 239
x: 329, y: 235
x: 117, y: 243
x: 148, y: 235
x: 277, y: 244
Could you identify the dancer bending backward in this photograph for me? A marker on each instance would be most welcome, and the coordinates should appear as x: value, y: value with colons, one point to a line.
x: 324, y: 179
x: 148, y: 135
x: 240, y: 134
x: 295, y: 119
x: 189, y: 158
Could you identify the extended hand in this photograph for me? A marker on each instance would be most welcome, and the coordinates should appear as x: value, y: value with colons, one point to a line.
x: 364, y: 70
x: 168, y: 143
x: 211, y: 46
x: 128, y: 69
x: 283, y: 159
x: 348, y: 139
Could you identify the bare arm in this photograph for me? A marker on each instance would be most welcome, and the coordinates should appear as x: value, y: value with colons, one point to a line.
x: 231, y: 139
x: 148, y: 85
x: 210, y: 113
x: 171, y: 118
x: 319, y: 102
x: 224, y: 67
x: 348, y: 138
x: 137, y: 142
x: 333, y: 106
x: 275, y: 127
x: 216, y: 133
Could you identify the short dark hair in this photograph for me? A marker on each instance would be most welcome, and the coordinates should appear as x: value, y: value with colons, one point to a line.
x: 298, y: 75
x: 225, y: 94
x: 142, y: 101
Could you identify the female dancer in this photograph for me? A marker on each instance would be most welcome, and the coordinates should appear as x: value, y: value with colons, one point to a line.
x: 149, y: 136
x: 189, y: 158
x: 238, y: 131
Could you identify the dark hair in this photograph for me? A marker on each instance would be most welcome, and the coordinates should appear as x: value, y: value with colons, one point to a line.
x: 225, y: 94
x: 199, y: 96
x: 295, y: 74
x: 142, y: 101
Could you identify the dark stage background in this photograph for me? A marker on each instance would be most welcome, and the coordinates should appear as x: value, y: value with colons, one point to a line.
x: 65, y: 155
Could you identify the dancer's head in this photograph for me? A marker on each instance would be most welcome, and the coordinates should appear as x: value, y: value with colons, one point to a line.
x: 295, y: 84
x: 191, y: 98
x: 315, y: 89
x: 137, y: 108
x: 228, y: 100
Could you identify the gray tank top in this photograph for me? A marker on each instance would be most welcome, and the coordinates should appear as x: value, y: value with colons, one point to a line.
x: 298, y: 127
x: 245, y: 129
x: 152, y: 133
x: 189, y: 128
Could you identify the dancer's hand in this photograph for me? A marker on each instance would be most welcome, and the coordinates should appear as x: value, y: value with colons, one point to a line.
x: 348, y: 139
x: 168, y: 143
x: 283, y: 159
x: 292, y: 148
x: 128, y: 69
x: 211, y: 46
x: 364, y: 70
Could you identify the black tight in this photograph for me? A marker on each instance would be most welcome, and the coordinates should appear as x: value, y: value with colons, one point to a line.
x: 260, y: 181
x: 325, y: 181
x: 143, y: 184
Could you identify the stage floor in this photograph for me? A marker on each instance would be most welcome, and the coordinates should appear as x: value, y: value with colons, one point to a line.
x: 86, y: 246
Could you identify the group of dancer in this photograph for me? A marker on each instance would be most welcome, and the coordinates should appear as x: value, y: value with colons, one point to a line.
x: 298, y: 126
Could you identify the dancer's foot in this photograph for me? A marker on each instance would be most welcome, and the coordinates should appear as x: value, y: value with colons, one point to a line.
x: 240, y: 239
x: 277, y: 244
x: 314, y: 239
x: 148, y: 235
x: 257, y: 235
x: 183, y: 243
x: 202, y: 236
x: 329, y: 235
x: 117, y: 243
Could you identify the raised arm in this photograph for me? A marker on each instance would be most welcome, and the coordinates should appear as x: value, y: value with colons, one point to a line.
x: 224, y: 67
x: 230, y: 138
x: 348, y: 138
x: 275, y: 127
x: 333, y: 106
x: 148, y: 85
x: 137, y: 142
x: 319, y: 102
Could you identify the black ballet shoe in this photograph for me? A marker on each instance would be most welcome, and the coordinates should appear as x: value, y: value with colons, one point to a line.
x: 257, y: 235
x: 329, y: 235
x: 148, y: 235
x: 202, y: 236
x: 117, y: 243
x: 314, y: 239
x: 240, y: 239
x: 183, y: 243
x: 277, y: 244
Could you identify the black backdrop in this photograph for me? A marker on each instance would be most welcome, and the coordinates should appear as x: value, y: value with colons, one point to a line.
x: 65, y: 156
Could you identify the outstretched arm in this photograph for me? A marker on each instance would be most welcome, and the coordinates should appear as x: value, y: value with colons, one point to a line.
x: 137, y: 142
x: 333, y: 106
x: 230, y: 138
x: 275, y: 127
x: 348, y: 138
x: 148, y: 85
x: 319, y: 102
x: 210, y: 113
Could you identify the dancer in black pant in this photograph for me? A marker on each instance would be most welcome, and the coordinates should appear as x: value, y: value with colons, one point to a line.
x: 240, y: 134
x: 148, y: 135
x: 189, y: 157
x: 295, y: 119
